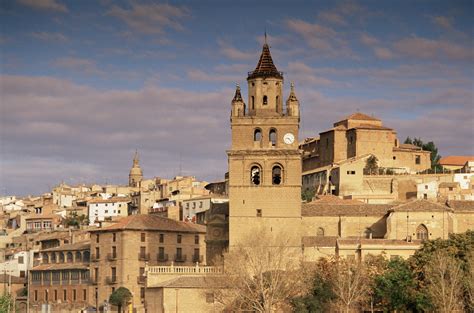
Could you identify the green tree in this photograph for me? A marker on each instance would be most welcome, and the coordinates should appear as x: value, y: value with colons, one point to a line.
x: 120, y: 298
x: 6, y: 303
x: 408, y: 141
x: 371, y: 165
x: 396, y: 288
x: 319, y: 299
x: 429, y: 146
x: 308, y: 194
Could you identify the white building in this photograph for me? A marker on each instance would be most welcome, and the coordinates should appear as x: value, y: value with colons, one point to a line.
x: 427, y: 190
x: 18, y: 264
x: 464, y: 180
x: 192, y: 207
x: 103, y: 209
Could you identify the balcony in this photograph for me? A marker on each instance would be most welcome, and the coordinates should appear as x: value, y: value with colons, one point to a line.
x: 111, y: 280
x: 141, y: 279
x: 197, y: 258
x: 162, y: 257
x: 144, y: 256
x: 112, y: 256
x: 180, y: 258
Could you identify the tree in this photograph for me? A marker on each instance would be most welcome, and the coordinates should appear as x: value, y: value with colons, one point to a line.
x: 7, y: 303
x: 308, y: 194
x: 396, y: 288
x: 444, y: 277
x: 263, y: 273
x: 429, y: 146
x: 371, y: 165
x: 120, y: 297
x: 408, y: 141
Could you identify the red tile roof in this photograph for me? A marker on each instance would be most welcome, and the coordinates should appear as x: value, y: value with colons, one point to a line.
x: 360, y: 116
x: 459, y: 160
x: 152, y: 222
x: 420, y: 206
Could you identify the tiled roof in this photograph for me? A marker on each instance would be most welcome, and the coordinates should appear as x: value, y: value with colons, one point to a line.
x: 448, y: 184
x: 83, y: 245
x: 265, y: 66
x: 43, y: 216
x: 368, y: 126
x: 193, y: 282
x: 461, y: 205
x: 319, y: 241
x: 110, y: 200
x: 459, y: 160
x: 316, y: 208
x: 421, y: 206
x: 152, y: 222
x: 360, y: 116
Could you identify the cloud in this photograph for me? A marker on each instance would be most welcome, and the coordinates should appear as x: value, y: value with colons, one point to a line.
x: 78, y: 64
x: 61, y: 122
x: 199, y: 75
x: 233, y: 53
x: 306, y: 75
x: 442, y: 21
x: 49, y: 5
x: 332, y: 18
x: 48, y: 36
x: 151, y: 18
x: 383, y: 53
x: 424, y: 48
x: 324, y: 40
x: 368, y: 40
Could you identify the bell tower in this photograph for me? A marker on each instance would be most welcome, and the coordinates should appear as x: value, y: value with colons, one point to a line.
x: 136, y: 174
x: 264, y: 159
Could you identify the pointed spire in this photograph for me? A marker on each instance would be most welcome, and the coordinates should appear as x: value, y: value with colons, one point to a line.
x: 136, y: 159
x: 238, y: 95
x: 292, y: 96
x: 265, y: 66
x: 265, y: 36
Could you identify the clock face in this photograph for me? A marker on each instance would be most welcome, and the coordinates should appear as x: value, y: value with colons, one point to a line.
x: 289, y: 138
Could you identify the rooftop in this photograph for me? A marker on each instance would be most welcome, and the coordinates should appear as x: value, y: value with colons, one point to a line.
x: 459, y: 160
x: 316, y: 208
x: 153, y: 223
x: 420, y: 206
x: 360, y: 116
x: 265, y: 66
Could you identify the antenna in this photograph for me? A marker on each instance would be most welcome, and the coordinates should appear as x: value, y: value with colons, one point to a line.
x: 180, y: 166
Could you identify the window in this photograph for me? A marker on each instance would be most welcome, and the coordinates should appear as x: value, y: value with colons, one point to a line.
x: 142, y: 252
x: 257, y: 135
x: 426, y: 186
x: 276, y: 175
x: 97, y: 238
x: 255, y: 175
x: 259, y: 212
x: 69, y: 257
x: 20, y: 260
x: 179, y: 253
x: 320, y: 232
x: 327, y: 142
x: 450, y: 188
x: 273, y: 137
x: 114, y: 236
x: 351, y: 172
x: 22, y: 274
x: 74, y: 295
x: 64, y: 295
x: 200, y: 204
x: 142, y: 292
x: 196, y: 239
x: 277, y: 100
x: 114, y: 252
x: 417, y: 159
x: 55, y: 295
x: 46, y: 295
x: 425, y: 196
x: 252, y: 103
x: 162, y: 238
x: 142, y: 237
x: 36, y: 295
x: 265, y: 100
x: 394, y: 157
x: 161, y: 253
x: 209, y: 297
x: 179, y: 238
x: 97, y: 253
x: 422, y: 232
x: 114, y: 273
x: 84, y: 294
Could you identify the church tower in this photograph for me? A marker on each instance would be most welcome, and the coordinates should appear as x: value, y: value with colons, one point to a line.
x: 264, y: 159
x: 136, y: 174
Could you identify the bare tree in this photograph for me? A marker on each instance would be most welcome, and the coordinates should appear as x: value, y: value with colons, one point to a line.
x: 444, y: 276
x: 349, y: 282
x: 263, y: 273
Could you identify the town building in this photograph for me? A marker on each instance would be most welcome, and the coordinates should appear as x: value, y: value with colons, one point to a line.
x: 456, y: 162
x: 105, y: 209
x: 121, y: 251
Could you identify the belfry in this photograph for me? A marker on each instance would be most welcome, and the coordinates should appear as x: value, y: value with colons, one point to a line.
x: 264, y: 159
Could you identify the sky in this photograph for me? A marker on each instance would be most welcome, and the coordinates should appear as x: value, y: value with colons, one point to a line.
x: 84, y: 84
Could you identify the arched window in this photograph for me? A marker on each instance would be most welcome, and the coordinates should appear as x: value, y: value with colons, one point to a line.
x: 276, y: 175
x: 422, y: 232
x: 53, y: 257
x: 69, y: 257
x: 61, y: 257
x: 320, y: 232
x: 265, y: 100
x: 78, y: 256
x: 273, y: 137
x: 257, y: 135
x: 45, y: 258
x: 255, y: 175
x: 87, y: 256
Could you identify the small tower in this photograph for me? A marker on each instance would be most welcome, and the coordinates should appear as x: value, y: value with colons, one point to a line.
x: 136, y: 174
x: 292, y: 104
x: 238, y: 105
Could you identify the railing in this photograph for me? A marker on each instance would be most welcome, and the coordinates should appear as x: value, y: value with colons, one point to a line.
x: 144, y: 256
x: 180, y: 258
x: 111, y: 280
x: 111, y: 256
x: 162, y: 257
x: 179, y: 270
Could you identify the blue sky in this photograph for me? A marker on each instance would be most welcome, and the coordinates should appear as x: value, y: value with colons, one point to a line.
x: 85, y: 83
